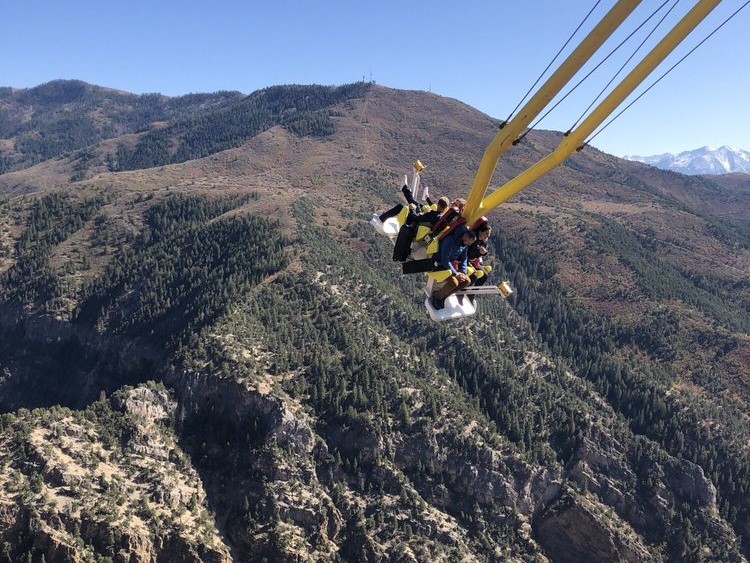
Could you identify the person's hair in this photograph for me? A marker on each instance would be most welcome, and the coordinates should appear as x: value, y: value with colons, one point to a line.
x: 460, y: 202
x: 481, y: 228
x: 443, y: 203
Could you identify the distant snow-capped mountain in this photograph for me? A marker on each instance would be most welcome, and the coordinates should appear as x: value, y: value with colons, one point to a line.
x: 705, y: 160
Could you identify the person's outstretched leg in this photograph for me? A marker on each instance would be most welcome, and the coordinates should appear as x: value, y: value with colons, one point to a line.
x: 392, y: 212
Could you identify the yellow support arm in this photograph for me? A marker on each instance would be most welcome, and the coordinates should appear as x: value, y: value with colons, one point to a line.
x: 505, y: 137
x: 574, y: 139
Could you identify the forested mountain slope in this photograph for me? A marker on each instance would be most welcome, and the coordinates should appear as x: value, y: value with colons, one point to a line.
x: 61, y: 116
x: 305, y: 408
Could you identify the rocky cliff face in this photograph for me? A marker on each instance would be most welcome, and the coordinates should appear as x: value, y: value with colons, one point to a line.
x: 619, y: 510
x: 48, y: 361
x: 109, y: 482
x: 577, y: 528
x: 257, y: 459
x: 285, y: 496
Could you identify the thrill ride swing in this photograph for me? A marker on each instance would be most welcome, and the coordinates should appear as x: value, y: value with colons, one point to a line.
x: 512, y: 131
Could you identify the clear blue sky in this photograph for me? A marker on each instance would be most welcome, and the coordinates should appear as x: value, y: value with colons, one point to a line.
x: 484, y: 53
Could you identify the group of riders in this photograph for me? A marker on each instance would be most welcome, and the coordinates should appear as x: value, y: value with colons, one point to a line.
x: 453, y: 251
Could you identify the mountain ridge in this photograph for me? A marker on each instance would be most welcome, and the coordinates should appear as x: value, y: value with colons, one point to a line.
x: 71, y: 114
x: 705, y: 160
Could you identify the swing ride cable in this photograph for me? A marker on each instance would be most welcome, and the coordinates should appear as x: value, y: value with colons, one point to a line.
x: 623, y: 66
x: 574, y: 141
x: 737, y: 11
x: 526, y: 95
x: 539, y: 120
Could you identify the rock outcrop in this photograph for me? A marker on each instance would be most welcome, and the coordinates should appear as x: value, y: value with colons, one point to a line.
x: 108, y: 482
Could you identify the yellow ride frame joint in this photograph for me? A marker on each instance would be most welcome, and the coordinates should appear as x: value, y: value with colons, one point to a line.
x: 572, y: 140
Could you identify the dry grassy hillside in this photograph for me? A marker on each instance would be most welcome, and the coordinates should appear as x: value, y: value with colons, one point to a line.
x: 323, y: 415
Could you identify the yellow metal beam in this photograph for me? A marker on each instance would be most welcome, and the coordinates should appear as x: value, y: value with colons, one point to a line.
x: 505, y: 137
x: 574, y: 139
